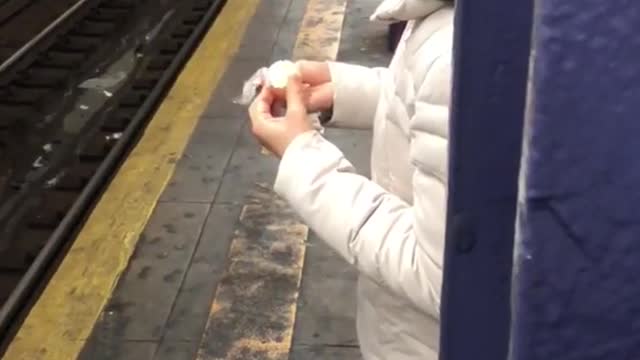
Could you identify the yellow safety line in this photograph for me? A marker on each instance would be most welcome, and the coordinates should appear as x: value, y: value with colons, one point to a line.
x: 254, y: 309
x: 62, y: 319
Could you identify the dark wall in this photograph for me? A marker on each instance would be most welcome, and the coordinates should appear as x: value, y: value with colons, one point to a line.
x: 578, y: 282
x: 489, y: 88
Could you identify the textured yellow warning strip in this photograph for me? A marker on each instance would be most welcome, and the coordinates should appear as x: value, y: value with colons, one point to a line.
x: 254, y: 308
x: 319, y: 36
x: 62, y: 319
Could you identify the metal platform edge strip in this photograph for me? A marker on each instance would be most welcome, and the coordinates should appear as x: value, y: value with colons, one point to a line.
x: 64, y: 315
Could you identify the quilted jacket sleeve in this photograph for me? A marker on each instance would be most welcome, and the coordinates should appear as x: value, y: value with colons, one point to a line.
x: 369, y: 227
x: 396, y: 244
x: 357, y: 91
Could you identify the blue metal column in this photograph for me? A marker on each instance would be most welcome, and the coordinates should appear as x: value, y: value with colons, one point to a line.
x: 577, y: 293
x: 491, y: 55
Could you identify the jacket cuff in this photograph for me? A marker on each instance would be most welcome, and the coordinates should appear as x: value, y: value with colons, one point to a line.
x: 291, y: 162
x: 356, y: 93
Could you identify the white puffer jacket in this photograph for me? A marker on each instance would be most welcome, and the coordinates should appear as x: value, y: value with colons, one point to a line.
x: 391, y: 227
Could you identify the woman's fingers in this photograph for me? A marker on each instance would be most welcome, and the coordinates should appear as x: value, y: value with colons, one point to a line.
x: 276, y: 134
x: 313, y: 72
x: 261, y: 107
x: 319, y: 97
x: 296, y: 97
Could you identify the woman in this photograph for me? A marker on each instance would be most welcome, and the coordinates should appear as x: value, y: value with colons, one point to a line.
x: 391, y: 227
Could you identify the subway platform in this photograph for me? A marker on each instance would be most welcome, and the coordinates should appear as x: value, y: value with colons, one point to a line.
x: 188, y: 254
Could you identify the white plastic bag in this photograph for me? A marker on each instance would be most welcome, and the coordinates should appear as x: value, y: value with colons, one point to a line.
x: 251, y: 87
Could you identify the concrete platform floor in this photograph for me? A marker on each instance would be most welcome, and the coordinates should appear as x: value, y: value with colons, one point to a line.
x: 159, y: 308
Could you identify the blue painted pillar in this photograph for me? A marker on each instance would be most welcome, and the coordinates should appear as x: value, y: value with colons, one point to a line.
x: 491, y: 55
x: 577, y: 293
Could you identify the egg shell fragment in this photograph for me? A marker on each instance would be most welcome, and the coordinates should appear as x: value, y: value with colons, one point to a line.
x: 279, y: 72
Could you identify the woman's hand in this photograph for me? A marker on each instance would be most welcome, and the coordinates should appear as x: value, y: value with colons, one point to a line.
x: 319, y: 91
x: 276, y: 133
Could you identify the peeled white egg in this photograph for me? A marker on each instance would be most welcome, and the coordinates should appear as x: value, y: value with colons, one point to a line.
x: 279, y: 72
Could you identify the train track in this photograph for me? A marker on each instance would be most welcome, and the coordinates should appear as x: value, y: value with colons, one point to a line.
x: 10, y: 9
x: 21, y: 21
x: 70, y: 112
